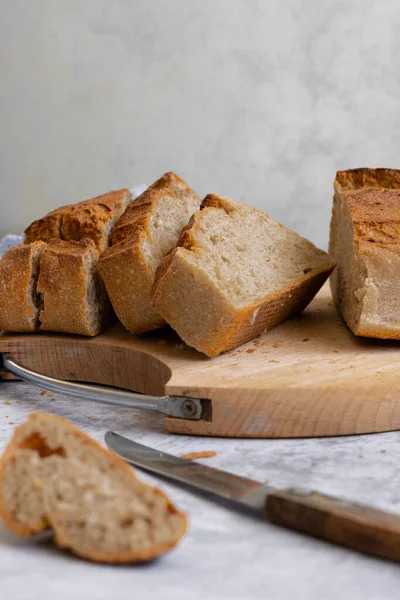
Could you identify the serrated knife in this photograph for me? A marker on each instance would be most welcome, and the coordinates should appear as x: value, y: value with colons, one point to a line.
x: 352, y: 525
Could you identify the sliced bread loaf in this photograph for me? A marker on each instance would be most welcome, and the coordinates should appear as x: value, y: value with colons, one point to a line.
x: 365, y: 242
x: 74, y: 299
x: 92, y: 218
x: 19, y: 301
x: 235, y: 273
x: 148, y: 230
x: 52, y: 475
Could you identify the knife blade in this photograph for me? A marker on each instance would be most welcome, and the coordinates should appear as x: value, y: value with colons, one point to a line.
x: 349, y: 524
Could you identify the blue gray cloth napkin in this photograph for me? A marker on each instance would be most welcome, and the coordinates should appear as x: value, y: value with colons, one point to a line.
x: 8, y: 241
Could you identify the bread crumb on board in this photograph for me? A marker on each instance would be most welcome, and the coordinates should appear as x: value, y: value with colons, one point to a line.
x: 43, y: 392
x: 383, y: 451
x: 7, y: 402
x: 250, y: 350
x: 203, y: 454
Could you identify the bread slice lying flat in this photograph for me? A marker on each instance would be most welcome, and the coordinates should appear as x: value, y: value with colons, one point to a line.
x: 92, y: 218
x: 235, y: 273
x: 148, y: 230
x: 74, y: 299
x: 19, y: 301
x: 365, y: 242
x: 52, y: 475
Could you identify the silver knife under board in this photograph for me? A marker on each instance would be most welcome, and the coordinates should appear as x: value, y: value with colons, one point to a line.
x: 336, y: 520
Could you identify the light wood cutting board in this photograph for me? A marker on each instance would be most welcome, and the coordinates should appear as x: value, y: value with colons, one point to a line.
x: 307, y: 377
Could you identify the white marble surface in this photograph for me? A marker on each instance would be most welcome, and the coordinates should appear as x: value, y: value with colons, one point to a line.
x: 260, y: 100
x: 226, y: 555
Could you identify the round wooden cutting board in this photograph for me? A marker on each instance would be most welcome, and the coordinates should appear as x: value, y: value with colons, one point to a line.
x: 310, y: 376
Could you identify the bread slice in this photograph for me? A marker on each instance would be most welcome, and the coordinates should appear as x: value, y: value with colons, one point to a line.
x: 19, y: 302
x: 73, y: 295
x: 235, y: 273
x: 52, y: 475
x: 92, y: 218
x: 365, y: 242
x: 148, y: 230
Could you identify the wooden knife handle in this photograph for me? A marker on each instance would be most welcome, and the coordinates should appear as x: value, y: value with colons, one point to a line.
x: 355, y: 526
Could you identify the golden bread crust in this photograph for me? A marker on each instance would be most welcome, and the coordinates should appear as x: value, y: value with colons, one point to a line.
x: 63, y: 285
x: 17, y: 310
x: 91, y: 218
x: 48, y: 227
x: 353, y: 179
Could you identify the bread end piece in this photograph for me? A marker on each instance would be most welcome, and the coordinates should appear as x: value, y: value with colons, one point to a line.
x: 19, y: 301
x: 74, y: 299
x: 52, y: 475
x: 223, y: 286
x: 365, y: 242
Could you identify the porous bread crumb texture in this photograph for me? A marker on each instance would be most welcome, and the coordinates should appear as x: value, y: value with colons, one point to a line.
x: 52, y: 475
x: 246, y: 254
x: 148, y: 230
x: 93, y: 218
x: 74, y: 298
x: 19, y: 301
x: 235, y: 273
x: 365, y: 242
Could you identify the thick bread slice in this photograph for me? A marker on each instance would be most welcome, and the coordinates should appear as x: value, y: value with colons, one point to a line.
x: 235, y: 273
x: 73, y: 295
x: 92, y: 218
x: 19, y: 302
x: 365, y: 242
x: 52, y: 475
x: 148, y: 230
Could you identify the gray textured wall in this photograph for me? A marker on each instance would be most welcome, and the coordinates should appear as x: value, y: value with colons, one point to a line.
x: 260, y: 100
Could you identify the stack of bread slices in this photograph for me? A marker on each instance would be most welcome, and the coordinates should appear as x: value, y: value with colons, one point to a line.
x: 218, y: 271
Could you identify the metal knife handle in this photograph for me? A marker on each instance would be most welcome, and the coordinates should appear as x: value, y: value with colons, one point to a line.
x: 172, y: 406
x: 348, y: 524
